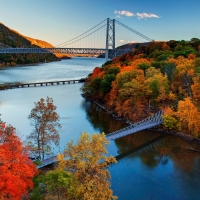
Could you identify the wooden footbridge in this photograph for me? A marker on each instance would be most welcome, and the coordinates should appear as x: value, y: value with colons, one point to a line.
x: 147, y: 123
x: 22, y: 85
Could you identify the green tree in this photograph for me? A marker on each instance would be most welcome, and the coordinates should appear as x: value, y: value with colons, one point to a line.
x: 46, y: 124
x: 105, y: 85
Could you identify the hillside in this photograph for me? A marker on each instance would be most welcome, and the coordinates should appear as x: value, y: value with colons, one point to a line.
x: 39, y: 43
x: 159, y: 75
x: 12, y: 38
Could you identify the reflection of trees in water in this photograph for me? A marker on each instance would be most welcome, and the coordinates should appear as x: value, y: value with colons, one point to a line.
x: 134, y: 140
x: 159, y: 152
x: 101, y: 120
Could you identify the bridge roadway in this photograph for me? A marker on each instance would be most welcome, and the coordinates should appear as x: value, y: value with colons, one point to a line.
x: 21, y: 85
x: 92, y: 51
x: 146, y: 123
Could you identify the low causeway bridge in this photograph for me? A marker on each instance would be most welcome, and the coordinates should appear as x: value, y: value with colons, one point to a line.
x: 22, y: 85
x: 147, y: 123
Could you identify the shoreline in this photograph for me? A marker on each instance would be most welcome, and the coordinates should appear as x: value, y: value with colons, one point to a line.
x: 28, y: 64
x: 159, y: 129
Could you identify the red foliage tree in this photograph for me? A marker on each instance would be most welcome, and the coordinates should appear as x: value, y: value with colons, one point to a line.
x: 16, y: 169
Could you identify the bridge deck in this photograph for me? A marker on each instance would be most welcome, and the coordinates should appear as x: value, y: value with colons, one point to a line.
x: 92, y: 51
x: 147, y: 123
x: 21, y: 85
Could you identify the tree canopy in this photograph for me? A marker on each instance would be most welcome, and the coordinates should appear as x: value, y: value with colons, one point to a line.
x: 45, y: 121
x: 16, y: 169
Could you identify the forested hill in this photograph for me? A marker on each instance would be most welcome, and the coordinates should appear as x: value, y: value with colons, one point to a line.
x: 159, y: 75
x: 11, y: 38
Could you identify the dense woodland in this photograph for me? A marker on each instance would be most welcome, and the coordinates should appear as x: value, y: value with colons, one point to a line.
x: 157, y: 75
x: 11, y: 38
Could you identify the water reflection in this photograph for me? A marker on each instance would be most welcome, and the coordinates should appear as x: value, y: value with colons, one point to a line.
x: 150, y: 147
x: 151, y: 166
x: 99, y: 119
x: 162, y: 170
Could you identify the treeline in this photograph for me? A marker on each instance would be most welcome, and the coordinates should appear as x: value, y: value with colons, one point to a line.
x: 153, y: 76
x: 11, y: 38
x: 17, y: 59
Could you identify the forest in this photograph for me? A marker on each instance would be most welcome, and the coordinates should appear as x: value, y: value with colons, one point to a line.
x: 154, y: 76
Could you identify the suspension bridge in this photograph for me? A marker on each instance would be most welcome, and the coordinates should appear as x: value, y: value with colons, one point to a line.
x: 147, y: 123
x: 81, y: 43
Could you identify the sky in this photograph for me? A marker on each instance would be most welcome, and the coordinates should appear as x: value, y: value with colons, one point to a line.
x: 57, y: 21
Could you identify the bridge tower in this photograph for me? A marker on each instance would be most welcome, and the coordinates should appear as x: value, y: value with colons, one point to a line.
x: 110, y: 36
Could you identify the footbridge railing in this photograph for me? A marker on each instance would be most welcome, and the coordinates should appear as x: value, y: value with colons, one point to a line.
x: 146, y: 123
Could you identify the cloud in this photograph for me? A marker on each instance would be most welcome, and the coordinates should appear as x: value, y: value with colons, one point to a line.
x: 124, y: 12
x: 146, y: 15
x: 138, y: 15
x: 124, y: 41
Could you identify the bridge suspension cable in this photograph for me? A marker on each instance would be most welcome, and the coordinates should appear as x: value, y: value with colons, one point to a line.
x: 66, y: 43
x: 134, y: 31
x: 84, y: 36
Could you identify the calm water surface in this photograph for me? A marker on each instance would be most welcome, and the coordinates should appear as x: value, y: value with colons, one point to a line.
x: 150, y: 166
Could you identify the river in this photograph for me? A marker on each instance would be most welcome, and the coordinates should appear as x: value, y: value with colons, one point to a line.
x: 150, y: 166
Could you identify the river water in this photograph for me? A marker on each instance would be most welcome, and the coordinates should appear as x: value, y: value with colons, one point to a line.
x: 150, y: 166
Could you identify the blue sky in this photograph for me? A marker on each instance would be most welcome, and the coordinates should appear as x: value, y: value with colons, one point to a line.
x: 61, y: 20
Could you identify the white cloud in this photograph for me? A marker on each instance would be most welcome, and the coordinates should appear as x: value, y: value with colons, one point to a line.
x: 146, y: 15
x: 138, y: 15
x: 122, y: 41
x: 124, y: 12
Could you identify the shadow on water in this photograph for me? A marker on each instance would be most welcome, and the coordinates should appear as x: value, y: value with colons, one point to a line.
x: 138, y: 148
x: 151, y: 147
x: 150, y: 165
x: 99, y: 119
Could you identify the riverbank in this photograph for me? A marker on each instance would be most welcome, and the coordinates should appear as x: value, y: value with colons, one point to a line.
x: 28, y: 64
x: 159, y: 128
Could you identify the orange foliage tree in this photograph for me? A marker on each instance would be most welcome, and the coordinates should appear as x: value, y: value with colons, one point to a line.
x: 45, y: 121
x: 196, y: 88
x: 16, y: 169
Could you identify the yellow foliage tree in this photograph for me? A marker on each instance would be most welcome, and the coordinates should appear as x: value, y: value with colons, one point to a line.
x: 170, y: 120
x: 88, y: 163
x: 183, y: 76
x: 189, y: 116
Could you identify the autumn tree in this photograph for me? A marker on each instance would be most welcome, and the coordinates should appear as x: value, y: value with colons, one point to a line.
x: 16, y: 169
x: 88, y: 163
x: 170, y: 120
x: 186, y: 118
x: 196, y: 88
x: 189, y: 116
x: 45, y: 121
